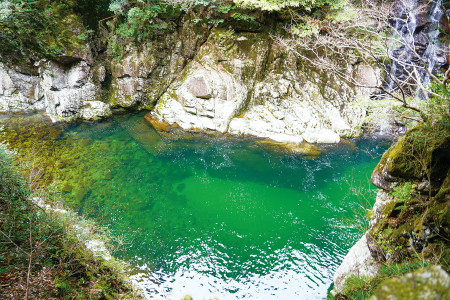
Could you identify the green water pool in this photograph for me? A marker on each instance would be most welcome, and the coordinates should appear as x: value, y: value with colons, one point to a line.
x: 212, y: 215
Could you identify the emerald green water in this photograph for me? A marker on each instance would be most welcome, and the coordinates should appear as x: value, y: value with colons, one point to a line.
x: 216, y: 216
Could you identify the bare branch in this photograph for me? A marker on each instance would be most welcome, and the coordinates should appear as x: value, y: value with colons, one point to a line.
x: 411, y: 118
x: 12, y: 242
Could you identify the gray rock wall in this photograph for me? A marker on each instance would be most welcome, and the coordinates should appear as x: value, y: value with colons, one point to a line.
x: 65, y: 92
x: 245, y: 86
x: 19, y: 92
x: 200, y: 79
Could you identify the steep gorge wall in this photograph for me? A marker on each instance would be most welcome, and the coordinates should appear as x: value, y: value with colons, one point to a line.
x: 200, y: 78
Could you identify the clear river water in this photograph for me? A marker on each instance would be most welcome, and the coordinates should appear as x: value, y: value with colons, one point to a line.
x: 212, y: 216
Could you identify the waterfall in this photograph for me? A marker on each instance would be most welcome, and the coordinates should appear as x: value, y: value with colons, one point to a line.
x: 433, y: 59
x: 419, y: 31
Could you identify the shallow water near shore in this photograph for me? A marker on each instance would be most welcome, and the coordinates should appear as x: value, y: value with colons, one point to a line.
x: 208, y: 215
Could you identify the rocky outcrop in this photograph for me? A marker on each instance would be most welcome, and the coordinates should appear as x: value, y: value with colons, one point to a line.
x: 200, y: 79
x: 412, y: 212
x: 410, y: 160
x: 70, y: 92
x: 65, y: 92
x: 20, y: 92
x: 242, y: 85
x: 207, y: 99
x: 144, y: 73
x: 66, y: 88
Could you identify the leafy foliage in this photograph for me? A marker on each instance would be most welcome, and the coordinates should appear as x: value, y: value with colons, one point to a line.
x: 273, y: 5
x: 45, y: 28
x: 403, y: 192
x: 26, y: 27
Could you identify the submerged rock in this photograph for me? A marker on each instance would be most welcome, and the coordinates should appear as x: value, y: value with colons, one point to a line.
x: 157, y: 123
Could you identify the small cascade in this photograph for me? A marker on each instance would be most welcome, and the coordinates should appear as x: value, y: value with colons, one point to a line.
x: 432, y: 55
x: 416, y: 30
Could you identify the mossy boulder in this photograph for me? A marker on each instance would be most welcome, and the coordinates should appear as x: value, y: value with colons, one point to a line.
x: 421, y: 156
x: 428, y: 283
x: 415, y: 171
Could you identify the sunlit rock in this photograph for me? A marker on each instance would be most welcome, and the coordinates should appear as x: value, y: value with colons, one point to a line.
x: 157, y: 123
x: 207, y: 99
x: 358, y: 262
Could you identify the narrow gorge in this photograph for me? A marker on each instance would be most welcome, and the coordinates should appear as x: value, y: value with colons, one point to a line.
x: 234, y: 149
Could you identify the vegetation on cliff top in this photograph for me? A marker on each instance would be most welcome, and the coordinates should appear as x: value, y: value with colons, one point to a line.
x: 36, y: 29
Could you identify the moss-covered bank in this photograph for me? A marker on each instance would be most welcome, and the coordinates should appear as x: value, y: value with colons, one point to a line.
x: 412, y: 229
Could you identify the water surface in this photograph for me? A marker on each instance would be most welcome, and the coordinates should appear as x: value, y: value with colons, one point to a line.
x: 210, y: 216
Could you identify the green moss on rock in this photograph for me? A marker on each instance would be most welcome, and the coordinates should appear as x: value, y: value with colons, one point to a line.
x: 428, y: 283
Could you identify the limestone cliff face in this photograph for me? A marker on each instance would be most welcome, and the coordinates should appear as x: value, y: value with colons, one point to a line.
x: 200, y: 78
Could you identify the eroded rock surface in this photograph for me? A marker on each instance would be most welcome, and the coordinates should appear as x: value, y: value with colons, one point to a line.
x: 207, y: 99
x: 70, y: 92
x: 19, y: 92
x: 245, y: 87
x: 65, y: 92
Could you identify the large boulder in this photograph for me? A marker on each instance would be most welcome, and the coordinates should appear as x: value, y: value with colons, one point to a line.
x: 419, y: 156
x: 207, y: 99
